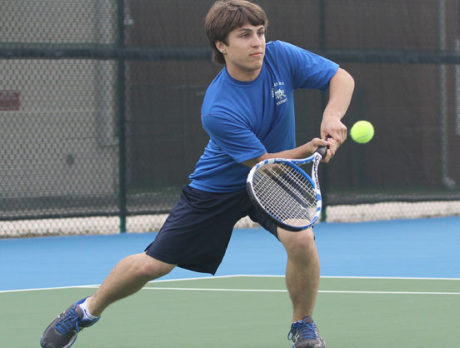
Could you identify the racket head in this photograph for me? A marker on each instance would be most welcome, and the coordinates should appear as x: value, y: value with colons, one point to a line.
x: 285, y: 192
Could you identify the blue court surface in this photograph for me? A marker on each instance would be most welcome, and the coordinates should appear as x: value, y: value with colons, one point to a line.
x: 426, y: 248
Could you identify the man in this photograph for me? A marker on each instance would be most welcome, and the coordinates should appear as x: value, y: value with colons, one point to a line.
x: 248, y: 112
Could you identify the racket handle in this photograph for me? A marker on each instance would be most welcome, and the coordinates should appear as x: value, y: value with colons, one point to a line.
x: 322, y: 150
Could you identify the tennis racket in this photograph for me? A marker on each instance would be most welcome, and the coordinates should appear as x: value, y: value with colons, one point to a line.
x: 285, y: 192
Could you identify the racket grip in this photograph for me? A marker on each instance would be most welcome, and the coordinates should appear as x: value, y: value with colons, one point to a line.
x: 322, y: 150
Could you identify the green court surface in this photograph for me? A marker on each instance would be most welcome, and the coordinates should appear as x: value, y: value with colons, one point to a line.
x: 248, y: 311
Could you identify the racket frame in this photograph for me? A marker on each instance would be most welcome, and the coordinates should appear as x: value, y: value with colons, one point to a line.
x: 313, y: 179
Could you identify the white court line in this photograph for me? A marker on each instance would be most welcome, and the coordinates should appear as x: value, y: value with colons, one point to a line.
x: 390, y: 278
x: 53, y: 288
x: 320, y: 291
x: 217, y: 289
x: 282, y: 276
x: 387, y: 292
x: 223, y: 277
x: 156, y: 281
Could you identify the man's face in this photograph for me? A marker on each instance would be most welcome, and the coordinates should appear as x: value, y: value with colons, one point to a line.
x: 245, y: 51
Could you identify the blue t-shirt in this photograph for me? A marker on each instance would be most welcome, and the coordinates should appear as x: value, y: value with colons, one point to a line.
x: 244, y: 120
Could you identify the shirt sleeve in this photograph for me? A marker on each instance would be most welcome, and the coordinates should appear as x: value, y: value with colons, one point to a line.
x: 308, y: 70
x: 233, y: 137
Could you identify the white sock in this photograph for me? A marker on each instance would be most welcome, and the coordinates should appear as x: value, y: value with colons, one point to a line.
x: 85, y: 309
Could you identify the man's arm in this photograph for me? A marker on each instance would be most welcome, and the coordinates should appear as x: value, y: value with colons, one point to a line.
x: 341, y: 89
x: 333, y: 131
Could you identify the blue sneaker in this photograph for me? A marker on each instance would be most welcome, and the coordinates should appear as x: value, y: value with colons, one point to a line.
x: 305, y: 334
x: 62, y: 332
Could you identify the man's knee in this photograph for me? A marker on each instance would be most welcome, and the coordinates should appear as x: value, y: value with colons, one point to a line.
x: 298, y: 243
x: 148, y: 267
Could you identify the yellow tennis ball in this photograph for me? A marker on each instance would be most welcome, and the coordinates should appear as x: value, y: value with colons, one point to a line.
x: 362, y: 132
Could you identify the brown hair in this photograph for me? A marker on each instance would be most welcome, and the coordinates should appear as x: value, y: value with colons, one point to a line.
x: 227, y: 15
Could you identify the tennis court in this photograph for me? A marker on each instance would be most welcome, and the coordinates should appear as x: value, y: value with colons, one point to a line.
x: 388, y: 283
x: 100, y: 127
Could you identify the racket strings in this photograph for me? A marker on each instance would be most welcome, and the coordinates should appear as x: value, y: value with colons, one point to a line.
x: 285, y: 193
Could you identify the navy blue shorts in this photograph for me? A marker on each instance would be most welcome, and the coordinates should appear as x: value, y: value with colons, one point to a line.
x: 195, y: 235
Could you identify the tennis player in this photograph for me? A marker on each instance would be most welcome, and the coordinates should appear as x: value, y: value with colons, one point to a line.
x: 248, y: 112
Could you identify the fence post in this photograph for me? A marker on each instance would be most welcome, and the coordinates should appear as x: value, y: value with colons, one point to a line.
x: 121, y: 118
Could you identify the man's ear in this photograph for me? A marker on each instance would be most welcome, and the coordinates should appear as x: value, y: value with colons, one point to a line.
x: 221, y: 47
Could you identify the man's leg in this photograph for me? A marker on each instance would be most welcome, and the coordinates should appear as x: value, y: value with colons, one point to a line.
x: 127, y: 277
x: 302, y: 270
x: 302, y: 281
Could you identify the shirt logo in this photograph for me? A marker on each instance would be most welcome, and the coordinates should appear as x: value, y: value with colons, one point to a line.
x: 279, y: 93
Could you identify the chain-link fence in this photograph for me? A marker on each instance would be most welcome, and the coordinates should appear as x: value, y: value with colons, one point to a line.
x: 100, y: 108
